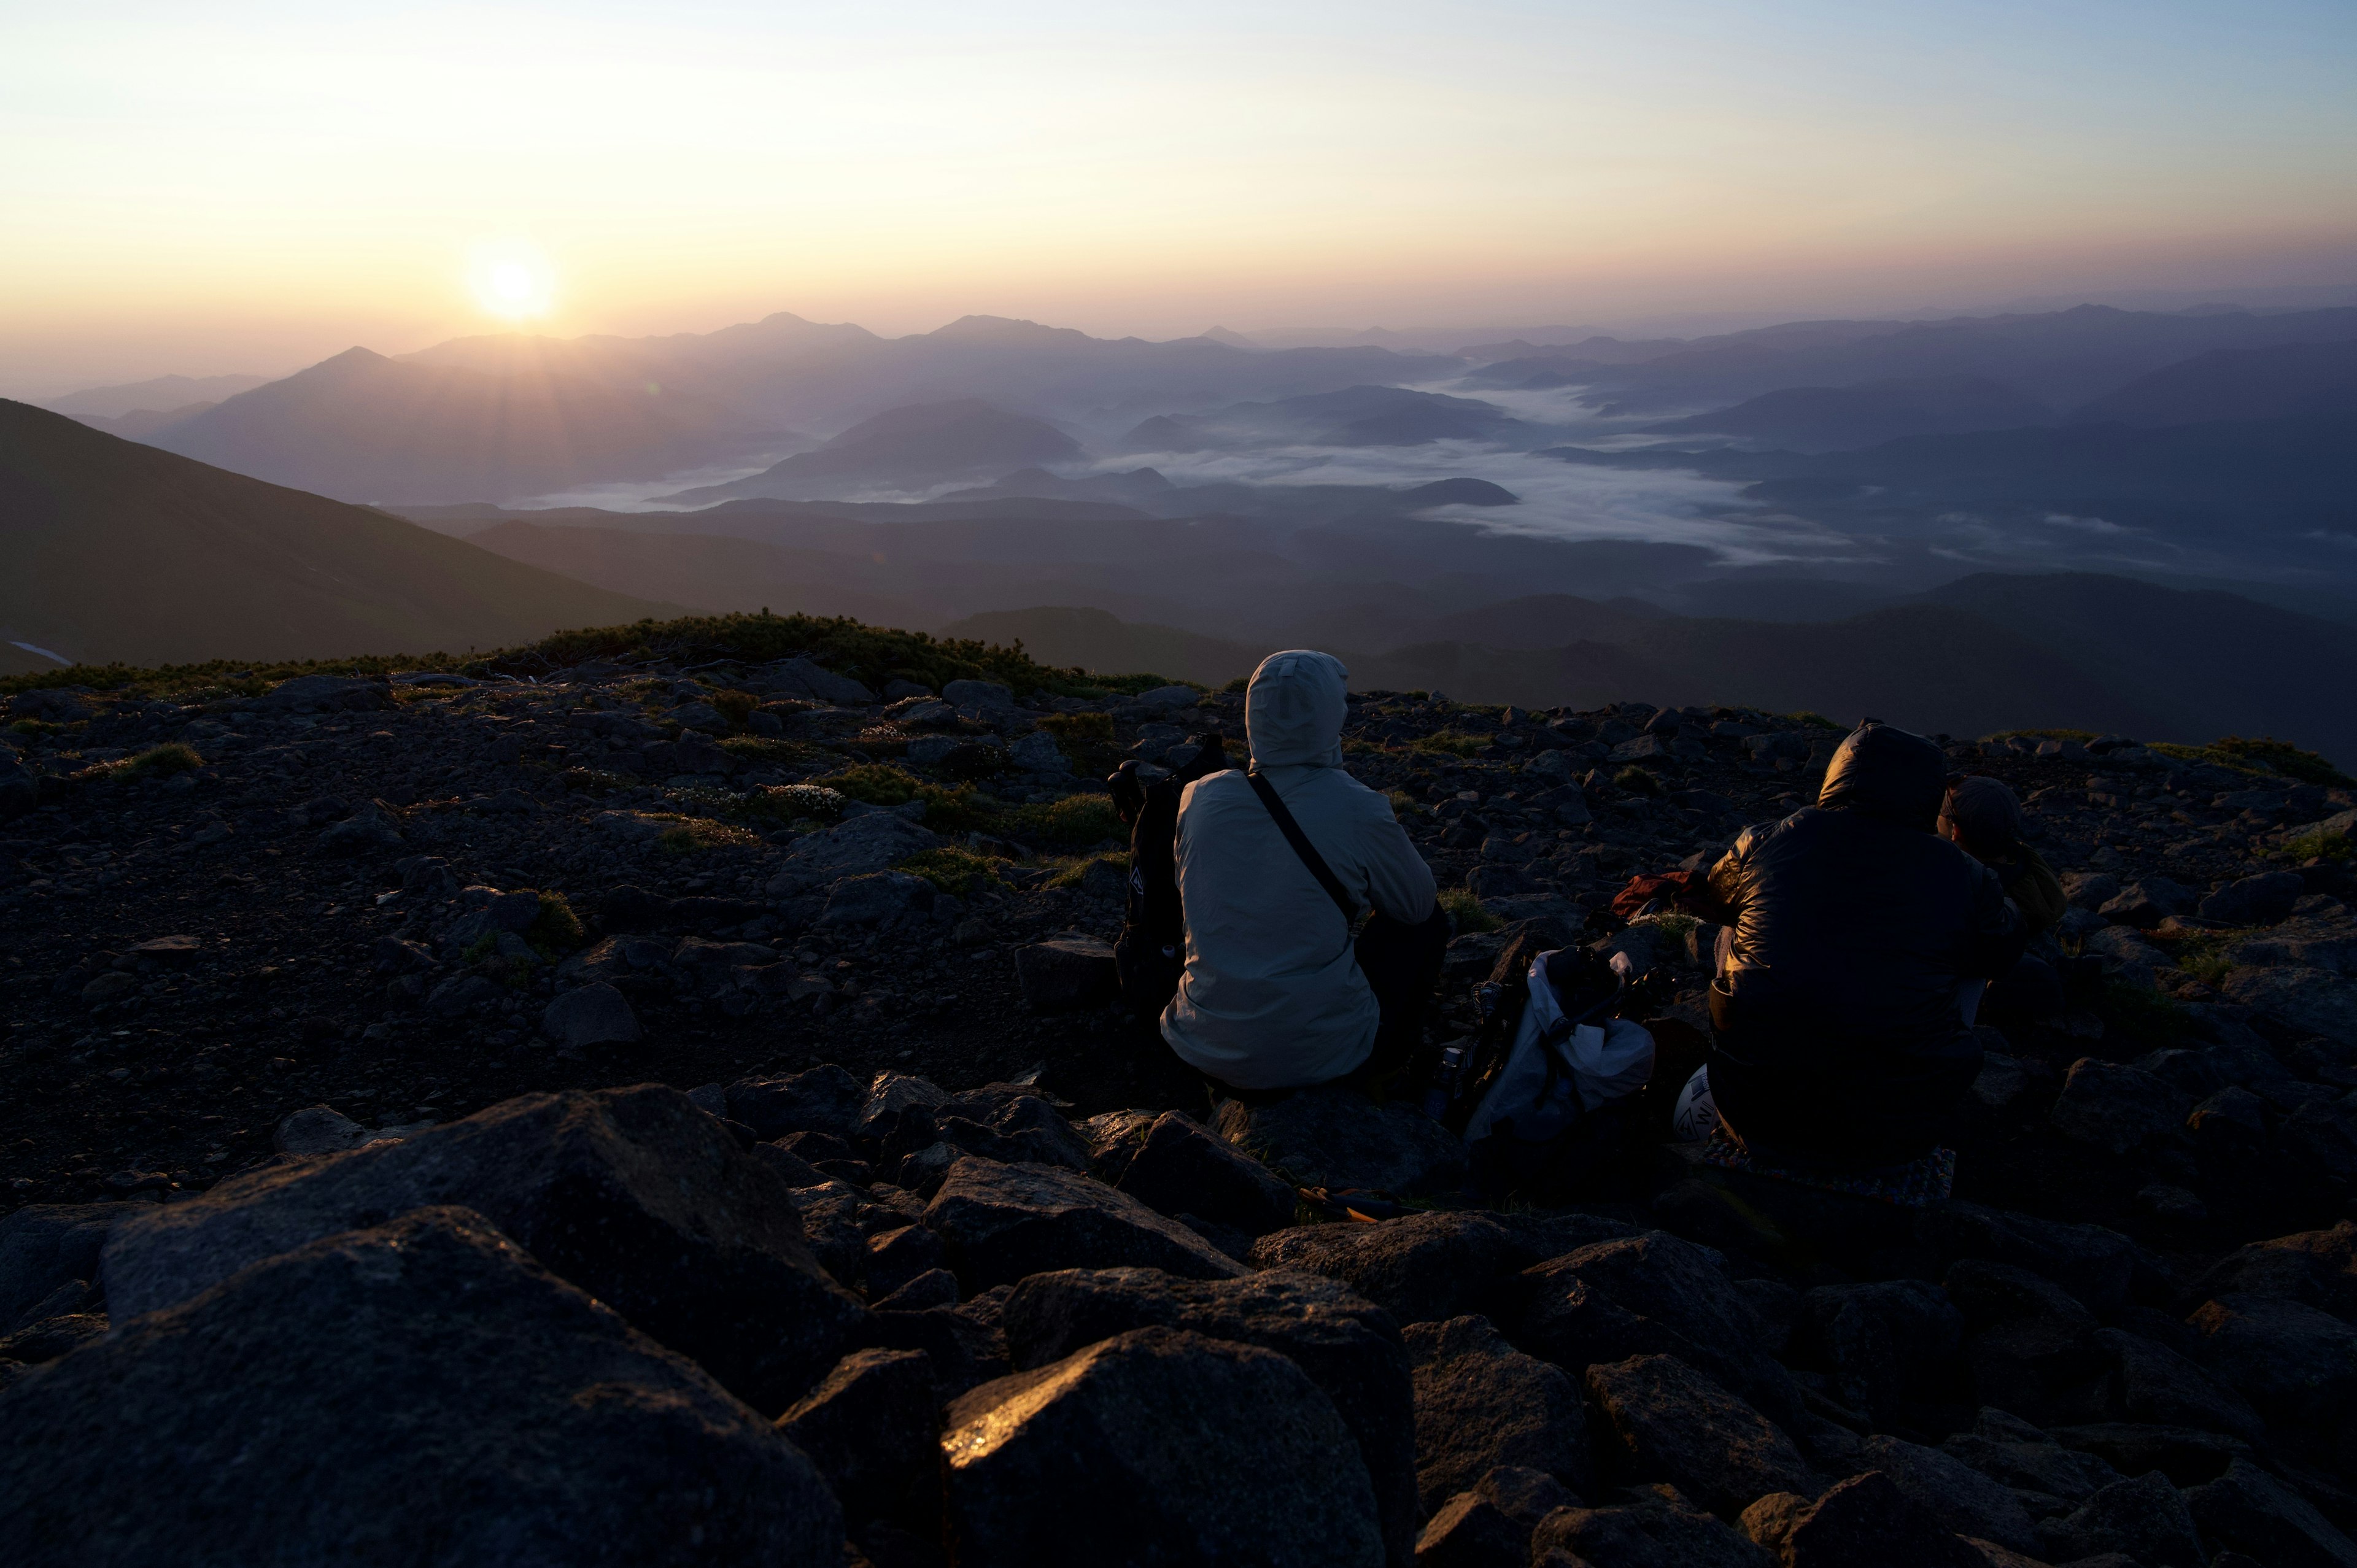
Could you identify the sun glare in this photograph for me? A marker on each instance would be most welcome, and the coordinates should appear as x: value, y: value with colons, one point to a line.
x: 512, y: 283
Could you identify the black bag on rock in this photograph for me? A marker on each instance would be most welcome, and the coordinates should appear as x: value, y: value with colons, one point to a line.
x: 1151, y: 952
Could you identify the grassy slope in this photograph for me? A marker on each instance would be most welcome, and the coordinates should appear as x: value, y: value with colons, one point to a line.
x: 122, y: 553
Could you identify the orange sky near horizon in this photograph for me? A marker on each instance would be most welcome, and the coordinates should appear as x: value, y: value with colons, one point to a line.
x: 254, y: 186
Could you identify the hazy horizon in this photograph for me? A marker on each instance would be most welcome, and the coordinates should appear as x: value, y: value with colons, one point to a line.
x: 254, y: 189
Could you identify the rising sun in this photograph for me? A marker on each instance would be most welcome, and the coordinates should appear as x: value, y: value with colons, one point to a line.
x: 512, y: 283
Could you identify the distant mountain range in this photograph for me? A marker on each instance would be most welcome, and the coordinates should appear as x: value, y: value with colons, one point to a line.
x: 119, y: 552
x: 1983, y: 653
x: 925, y: 444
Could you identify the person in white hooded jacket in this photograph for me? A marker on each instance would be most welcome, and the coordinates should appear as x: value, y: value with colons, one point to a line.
x: 1277, y: 994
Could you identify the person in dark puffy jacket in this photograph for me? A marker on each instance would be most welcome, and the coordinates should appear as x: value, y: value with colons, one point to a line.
x: 1838, y: 1037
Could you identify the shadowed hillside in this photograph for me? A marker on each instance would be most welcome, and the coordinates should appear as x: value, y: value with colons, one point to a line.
x: 118, y: 551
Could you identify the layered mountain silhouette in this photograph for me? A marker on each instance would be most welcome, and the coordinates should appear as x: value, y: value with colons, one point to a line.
x: 119, y: 551
x: 362, y: 427
x: 1354, y: 416
x: 906, y: 448
x: 1829, y: 419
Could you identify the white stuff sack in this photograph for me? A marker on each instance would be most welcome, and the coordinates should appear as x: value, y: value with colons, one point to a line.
x: 1604, y: 1063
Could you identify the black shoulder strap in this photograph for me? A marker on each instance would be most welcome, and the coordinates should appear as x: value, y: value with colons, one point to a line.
x: 1303, y: 847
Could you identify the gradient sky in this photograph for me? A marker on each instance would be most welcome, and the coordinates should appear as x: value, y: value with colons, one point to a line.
x: 249, y: 187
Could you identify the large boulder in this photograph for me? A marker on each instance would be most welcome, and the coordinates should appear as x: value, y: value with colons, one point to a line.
x: 2090, y: 1261
x: 2117, y: 1109
x: 1480, y: 1404
x: 421, y: 1392
x: 1864, y: 1519
x: 2024, y: 1459
x: 1066, y: 973
x: 2318, y: 1268
x: 2293, y: 1362
x: 2248, y: 1510
x: 877, y: 898
x: 2145, y: 1520
x: 635, y: 1195
x: 1668, y: 1422
x: 1657, y: 1529
x: 594, y: 1014
x: 872, y: 1427
x: 1419, y: 1268
x: 49, y: 1258
x: 1350, y: 1349
x: 2313, y: 1000
x: 2154, y: 1385
x: 1336, y: 1137
x: 1653, y: 1294
x: 857, y: 846
x: 823, y: 1100
x: 2030, y: 1339
x: 1179, y: 1167
x: 1957, y: 1496
x: 1882, y: 1342
x: 2260, y: 900
x: 1001, y: 1223
x: 1157, y: 1447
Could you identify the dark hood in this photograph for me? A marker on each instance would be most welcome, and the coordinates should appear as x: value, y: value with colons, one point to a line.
x: 1887, y: 774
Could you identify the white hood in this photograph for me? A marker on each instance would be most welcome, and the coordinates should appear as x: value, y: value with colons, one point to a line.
x: 1294, y: 710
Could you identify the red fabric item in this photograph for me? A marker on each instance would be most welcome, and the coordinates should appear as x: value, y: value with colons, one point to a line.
x: 1643, y: 889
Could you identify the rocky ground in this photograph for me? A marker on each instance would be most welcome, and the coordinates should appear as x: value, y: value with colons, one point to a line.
x: 246, y: 928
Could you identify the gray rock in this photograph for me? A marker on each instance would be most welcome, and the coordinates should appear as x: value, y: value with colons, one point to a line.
x: 455, y: 996
x: 1470, y: 1531
x: 872, y: 1428
x: 2321, y: 1138
x: 2148, y: 901
x: 318, y: 1130
x: 2247, y: 1509
x: 1419, y: 1267
x: 2090, y: 890
x: 927, y: 750
x: 806, y: 678
x: 2318, y: 1268
x: 823, y: 1100
x: 2144, y: 1518
x: 592, y: 1014
x: 857, y: 846
x: 1659, y: 1529
x: 509, y: 1418
x: 1004, y: 1223
x: 1349, y: 1347
x: 2126, y: 956
x: 20, y: 791
x: 54, y: 704
x: 2023, y: 1458
x: 1652, y: 1294
x: 1336, y: 1137
x: 1157, y: 1447
x: 1066, y: 973
x: 1480, y: 1404
x: 2260, y: 900
x: 1664, y: 1421
x: 326, y: 691
x: 46, y: 1247
x: 987, y: 694
x: 2030, y: 1337
x: 634, y: 1195
x: 1179, y: 1167
x: 2293, y: 1362
x: 877, y: 898
x: 2315, y: 1001
x: 2117, y: 1109
x: 2092, y: 1263
x: 366, y: 830
x: 1959, y: 1498
x: 1867, y: 1519
x: 1038, y: 753
x: 1882, y: 1341
x: 2156, y: 1386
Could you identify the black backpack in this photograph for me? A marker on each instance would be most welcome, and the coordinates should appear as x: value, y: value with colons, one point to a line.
x: 1151, y: 952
